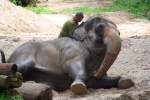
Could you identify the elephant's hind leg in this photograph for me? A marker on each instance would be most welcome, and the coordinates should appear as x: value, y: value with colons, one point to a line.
x: 26, y: 68
x: 33, y: 72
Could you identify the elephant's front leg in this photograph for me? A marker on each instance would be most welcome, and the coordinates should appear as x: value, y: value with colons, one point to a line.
x: 104, y: 82
x: 109, y: 82
x: 77, y: 72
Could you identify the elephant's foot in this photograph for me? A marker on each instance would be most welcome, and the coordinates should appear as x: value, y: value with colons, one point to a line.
x: 78, y: 87
x: 124, y: 83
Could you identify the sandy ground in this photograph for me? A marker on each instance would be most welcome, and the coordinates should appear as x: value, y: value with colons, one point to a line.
x: 133, y: 61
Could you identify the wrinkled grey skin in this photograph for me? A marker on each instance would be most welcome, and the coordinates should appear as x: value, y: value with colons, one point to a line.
x: 65, y: 61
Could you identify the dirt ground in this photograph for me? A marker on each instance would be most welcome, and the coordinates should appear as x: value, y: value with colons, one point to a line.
x: 133, y: 61
x: 75, y: 3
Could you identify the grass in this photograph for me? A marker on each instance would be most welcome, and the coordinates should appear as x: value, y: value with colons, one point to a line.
x: 42, y: 10
x: 84, y: 9
x: 4, y: 95
x: 137, y: 7
x: 88, y: 10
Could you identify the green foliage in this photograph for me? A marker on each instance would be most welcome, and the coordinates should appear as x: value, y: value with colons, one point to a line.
x: 25, y: 3
x: 16, y: 2
x: 5, y: 95
x: 137, y: 7
x: 42, y: 10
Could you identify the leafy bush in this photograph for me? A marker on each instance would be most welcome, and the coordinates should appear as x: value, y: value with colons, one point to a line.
x: 16, y: 2
x: 137, y: 7
x: 24, y: 2
x: 6, y: 95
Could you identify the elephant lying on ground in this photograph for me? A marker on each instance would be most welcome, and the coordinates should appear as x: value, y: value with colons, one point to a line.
x: 78, y: 63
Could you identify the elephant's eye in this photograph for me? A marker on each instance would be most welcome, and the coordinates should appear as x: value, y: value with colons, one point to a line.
x: 99, y: 32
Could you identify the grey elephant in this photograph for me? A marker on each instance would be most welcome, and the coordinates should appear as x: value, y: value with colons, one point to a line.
x: 78, y: 63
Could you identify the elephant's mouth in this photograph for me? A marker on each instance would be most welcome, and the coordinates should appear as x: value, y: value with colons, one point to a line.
x: 99, y: 49
x: 99, y: 43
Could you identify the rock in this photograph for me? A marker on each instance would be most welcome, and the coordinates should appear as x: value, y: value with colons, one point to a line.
x: 16, y: 39
x: 124, y: 97
x: 35, y: 91
x: 125, y: 83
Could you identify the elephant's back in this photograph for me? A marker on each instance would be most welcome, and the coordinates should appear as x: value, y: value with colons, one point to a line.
x: 24, y: 51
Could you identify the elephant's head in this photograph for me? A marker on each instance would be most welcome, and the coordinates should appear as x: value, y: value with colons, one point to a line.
x: 99, y: 31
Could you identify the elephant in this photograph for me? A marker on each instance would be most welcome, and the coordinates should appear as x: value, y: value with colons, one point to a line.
x: 78, y: 62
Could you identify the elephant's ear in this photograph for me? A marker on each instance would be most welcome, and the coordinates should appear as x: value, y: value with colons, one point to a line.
x: 88, y: 25
x: 80, y: 32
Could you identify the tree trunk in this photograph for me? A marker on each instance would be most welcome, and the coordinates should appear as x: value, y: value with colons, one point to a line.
x: 8, y: 68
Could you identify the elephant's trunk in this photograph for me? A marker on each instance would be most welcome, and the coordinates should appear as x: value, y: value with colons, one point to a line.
x: 113, y: 46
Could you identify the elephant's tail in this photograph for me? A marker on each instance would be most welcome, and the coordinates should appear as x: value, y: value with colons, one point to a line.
x: 3, y: 60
